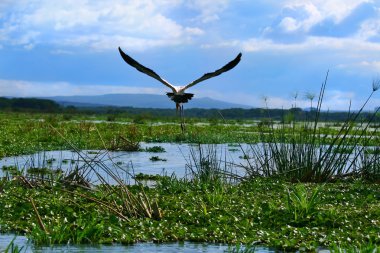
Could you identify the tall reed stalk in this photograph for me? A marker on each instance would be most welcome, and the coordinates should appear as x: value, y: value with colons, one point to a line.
x: 303, y: 153
x: 208, y: 165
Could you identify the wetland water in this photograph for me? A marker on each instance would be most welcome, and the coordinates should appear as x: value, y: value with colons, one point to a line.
x: 183, y: 247
x: 176, y: 159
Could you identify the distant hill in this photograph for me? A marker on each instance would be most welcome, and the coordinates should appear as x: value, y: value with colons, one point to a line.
x: 140, y: 101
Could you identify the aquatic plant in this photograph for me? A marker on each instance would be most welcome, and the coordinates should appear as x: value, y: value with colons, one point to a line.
x: 155, y: 149
x: 205, y: 165
x: 362, y: 248
x: 121, y: 143
x: 156, y: 158
x: 251, y: 211
x: 250, y: 248
x: 302, y: 204
x: 368, y: 164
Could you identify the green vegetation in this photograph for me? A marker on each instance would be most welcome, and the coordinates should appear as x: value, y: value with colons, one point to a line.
x: 28, y: 133
x: 251, y: 211
x: 301, y: 204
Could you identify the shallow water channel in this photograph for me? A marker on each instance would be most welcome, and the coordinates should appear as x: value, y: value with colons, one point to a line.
x: 177, y: 158
x: 182, y: 247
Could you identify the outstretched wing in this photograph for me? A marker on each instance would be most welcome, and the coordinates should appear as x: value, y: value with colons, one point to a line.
x: 144, y: 69
x: 225, y: 68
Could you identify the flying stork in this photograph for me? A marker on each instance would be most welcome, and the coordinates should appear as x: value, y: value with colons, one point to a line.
x: 178, y: 94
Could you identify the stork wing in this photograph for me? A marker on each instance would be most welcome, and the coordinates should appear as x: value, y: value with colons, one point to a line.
x: 144, y: 69
x: 225, y: 68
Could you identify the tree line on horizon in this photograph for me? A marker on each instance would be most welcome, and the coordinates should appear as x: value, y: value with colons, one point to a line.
x: 36, y: 105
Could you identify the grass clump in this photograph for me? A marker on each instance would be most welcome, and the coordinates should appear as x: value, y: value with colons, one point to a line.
x: 155, y: 149
x: 304, y: 152
x: 302, y: 204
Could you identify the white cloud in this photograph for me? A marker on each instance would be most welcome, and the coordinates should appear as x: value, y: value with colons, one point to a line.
x: 20, y: 88
x: 143, y: 22
x: 309, y: 17
x: 64, y: 52
x: 368, y: 29
x: 209, y: 9
x: 374, y: 65
x: 306, y: 14
x: 102, y: 42
x: 333, y: 100
x: 350, y: 46
x: 365, y: 66
x: 289, y: 24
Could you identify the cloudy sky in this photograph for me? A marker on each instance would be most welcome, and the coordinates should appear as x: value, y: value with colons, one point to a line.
x: 69, y: 47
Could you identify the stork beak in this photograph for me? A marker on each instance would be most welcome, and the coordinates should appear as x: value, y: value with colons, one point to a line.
x: 177, y: 107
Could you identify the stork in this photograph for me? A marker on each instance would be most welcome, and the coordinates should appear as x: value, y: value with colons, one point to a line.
x: 178, y: 94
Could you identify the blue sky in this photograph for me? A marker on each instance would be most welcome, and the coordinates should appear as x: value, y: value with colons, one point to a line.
x: 69, y: 47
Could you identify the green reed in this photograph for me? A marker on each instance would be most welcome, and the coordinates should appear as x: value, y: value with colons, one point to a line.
x: 302, y: 152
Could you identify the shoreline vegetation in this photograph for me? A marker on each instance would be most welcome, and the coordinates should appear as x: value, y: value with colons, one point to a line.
x: 28, y: 133
x: 309, y: 184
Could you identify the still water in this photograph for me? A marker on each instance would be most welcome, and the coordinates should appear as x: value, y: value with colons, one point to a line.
x: 177, y: 159
x: 183, y: 247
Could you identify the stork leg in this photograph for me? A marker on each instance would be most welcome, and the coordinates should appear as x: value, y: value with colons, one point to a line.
x: 177, y: 108
x: 182, y: 116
